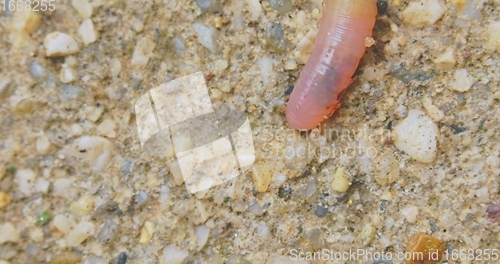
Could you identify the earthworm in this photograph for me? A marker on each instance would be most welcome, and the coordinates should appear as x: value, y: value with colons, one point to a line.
x: 340, y: 44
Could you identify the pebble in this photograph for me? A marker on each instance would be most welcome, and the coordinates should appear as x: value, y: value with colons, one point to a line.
x: 290, y: 65
x: 143, y: 51
x: 261, y: 174
x: 493, y: 33
x: 207, y: 36
x: 493, y: 212
x: 446, y: 60
x: 93, y: 259
x: 340, y: 181
x: 321, y: 211
x: 141, y: 198
x: 179, y: 46
x: 367, y: 234
x: 255, y: 9
x: 282, y: 6
x: 42, y: 185
x: 67, y: 74
x: 80, y: 233
x: 4, y: 199
x: 107, y: 128
x: 207, y: 5
x: 122, y: 258
x: 23, y: 23
x: 83, y: 7
x: 43, y: 218
x: 173, y: 255
x: 387, y: 170
x: 425, y: 245
x: 26, y: 180
x: 433, y: 111
x: 266, y: 69
x: 275, y: 37
x: 423, y: 12
x: 97, y: 150
x: 461, y: 81
x: 62, y: 187
x: 147, y: 232
x: 42, y: 144
x: 108, y: 210
x: 9, y: 233
x: 202, y: 232
x: 410, y: 213
x: 82, y: 206
x: 417, y: 135
x: 87, y: 32
x: 115, y: 67
x: 108, y: 232
x: 62, y: 223
x: 36, y: 234
x: 59, y: 44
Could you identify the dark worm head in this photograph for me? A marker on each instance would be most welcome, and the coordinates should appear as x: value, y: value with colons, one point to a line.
x: 382, y: 6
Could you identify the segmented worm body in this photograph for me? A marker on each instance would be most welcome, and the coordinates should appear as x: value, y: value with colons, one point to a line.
x: 340, y: 44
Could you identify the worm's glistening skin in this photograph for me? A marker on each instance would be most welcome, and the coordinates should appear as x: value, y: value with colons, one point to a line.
x: 340, y: 44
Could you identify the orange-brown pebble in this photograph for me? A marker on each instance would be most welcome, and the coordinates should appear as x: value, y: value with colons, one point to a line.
x: 425, y: 249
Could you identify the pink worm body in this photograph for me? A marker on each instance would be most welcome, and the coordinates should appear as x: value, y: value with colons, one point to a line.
x: 340, y: 44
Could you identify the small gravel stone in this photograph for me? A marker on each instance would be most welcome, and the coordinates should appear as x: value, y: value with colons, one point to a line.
x: 433, y: 111
x: 67, y: 74
x: 255, y: 9
x: 143, y: 52
x: 423, y: 12
x: 494, y: 213
x: 321, y: 211
x: 9, y: 233
x: 97, y: 150
x: 261, y: 174
x: 93, y: 259
x: 417, y: 136
x: 147, y: 232
x: 80, y: 233
x: 83, y: 7
x: 122, y: 258
x: 42, y: 144
x: 173, y: 255
x: 340, y: 181
x: 87, y: 32
x: 59, y: 44
x: 26, y: 180
x: 207, y: 36
x: 43, y: 218
x: 275, y: 37
x: 461, y: 81
x: 62, y: 187
x: 446, y: 60
x: 4, y: 199
x: 367, y: 234
x: 108, y: 210
x: 387, y: 170
x: 62, y: 223
x: 202, y: 232
x: 107, y: 128
x: 108, y: 232
x: 425, y: 244
x: 493, y: 37
x: 282, y: 6
x: 410, y: 213
x: 208, y: 5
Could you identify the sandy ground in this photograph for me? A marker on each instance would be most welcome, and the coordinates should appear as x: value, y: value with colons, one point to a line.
x: 76, y: 186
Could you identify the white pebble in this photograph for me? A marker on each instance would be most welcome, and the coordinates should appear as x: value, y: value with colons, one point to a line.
x: 62, y: 187
x: 80, y: 233
x: 87, y: 32
x: 410, y: 213
x: 26, y: 180
x: 207, y: 36
x: 446, y: 60
x: 433, y: 111
x: 261, y: 174
x: 62, y: 223
x: 42, y: 144
x: 115, y: 67
x: 67, y: 74
x: 9, y: 233
x: 143, y: 51
x: 493, y: 37
x: 266, y: 69
x: 107, y: 128
x: 83, y: 7
x: 461, y: 81
x: 255, y: 9
x: 59, y: 44
x: 423, y: 12
x: 42, y: 185
x: 202, y: 232
x: 173, y: 255
x: 290, y: 65
x: 97, y: 150
x: 417, y: 135
x: 36, y: 234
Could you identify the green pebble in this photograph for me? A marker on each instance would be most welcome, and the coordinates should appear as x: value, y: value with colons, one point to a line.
x: 44, y: 218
